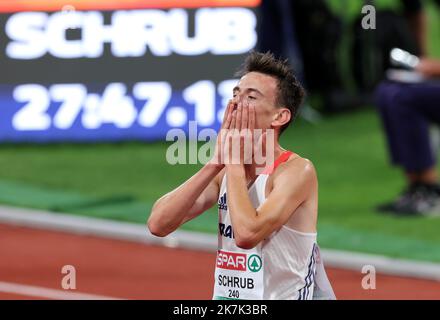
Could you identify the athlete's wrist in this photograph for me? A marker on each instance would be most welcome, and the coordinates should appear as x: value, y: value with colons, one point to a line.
x: 237, y: 169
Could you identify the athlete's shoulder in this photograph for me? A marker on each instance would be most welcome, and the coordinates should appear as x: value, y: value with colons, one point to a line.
x: 297, y: 167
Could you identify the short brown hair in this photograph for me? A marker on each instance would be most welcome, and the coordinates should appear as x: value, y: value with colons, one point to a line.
x: 290, y: 92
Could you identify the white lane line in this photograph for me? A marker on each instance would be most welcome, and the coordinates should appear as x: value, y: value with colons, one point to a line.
x: 104, y: 228
x: 46, y: 293
x: 201, y: 241
x: 384, y: 265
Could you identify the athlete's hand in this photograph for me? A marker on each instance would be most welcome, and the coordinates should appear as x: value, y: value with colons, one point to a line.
x: 218, y: 157
x: 239, y: 144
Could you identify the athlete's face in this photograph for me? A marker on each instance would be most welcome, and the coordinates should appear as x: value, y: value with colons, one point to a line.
x: 260, y: 90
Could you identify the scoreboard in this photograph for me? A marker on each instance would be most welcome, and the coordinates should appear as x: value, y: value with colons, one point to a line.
x: 108, y: 70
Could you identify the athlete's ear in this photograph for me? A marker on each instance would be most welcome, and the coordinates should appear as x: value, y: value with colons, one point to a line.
x: 281, y: 117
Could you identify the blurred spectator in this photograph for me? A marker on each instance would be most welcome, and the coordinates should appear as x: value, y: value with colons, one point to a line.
x: 307, y: 33
x: 405, y: 29
x: 417, y: 19
x: 276, y: 33
x: 407, y: 110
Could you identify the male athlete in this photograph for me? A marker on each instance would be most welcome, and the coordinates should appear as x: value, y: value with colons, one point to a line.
x: 267, y: 245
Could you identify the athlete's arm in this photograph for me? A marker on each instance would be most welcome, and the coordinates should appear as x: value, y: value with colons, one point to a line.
x: 186, y: 202
x: 194, y: 196
x: 291, y: 188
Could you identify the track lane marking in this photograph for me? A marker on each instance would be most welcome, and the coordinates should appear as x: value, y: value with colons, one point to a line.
x: 47, y: 293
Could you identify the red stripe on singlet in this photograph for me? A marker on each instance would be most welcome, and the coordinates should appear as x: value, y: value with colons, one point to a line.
x: 281, y: 159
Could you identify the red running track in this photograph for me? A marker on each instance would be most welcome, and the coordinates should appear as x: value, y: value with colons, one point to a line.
x: 136, y: 271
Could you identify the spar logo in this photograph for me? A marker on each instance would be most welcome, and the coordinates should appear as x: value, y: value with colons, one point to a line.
x: 231, y: 261
x: 255, y: 263
x: 238, y: 261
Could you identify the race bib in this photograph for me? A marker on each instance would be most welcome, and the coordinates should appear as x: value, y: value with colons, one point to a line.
x: 238, y: 275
